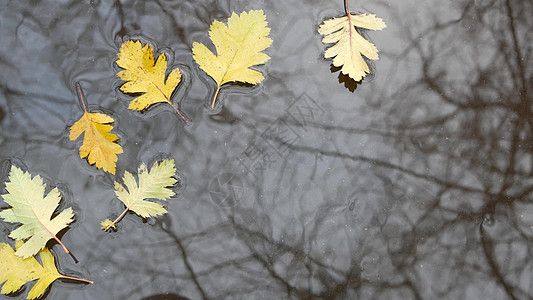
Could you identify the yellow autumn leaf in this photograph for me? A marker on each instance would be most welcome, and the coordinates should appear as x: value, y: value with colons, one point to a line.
x: 151, y: 184
x: 238, y: 47
x: 36, y: 213
x: 106, y: 224
x: 17, y: 271
x: 98, y: 143
x: 350, y: 46
x: 145, y: 75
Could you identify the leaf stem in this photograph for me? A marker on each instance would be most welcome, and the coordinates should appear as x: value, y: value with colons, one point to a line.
x: 76, y: 279
x: 348, y: 6
x: 215, y: 98
x: 80, y: 95
x: 179, y: 113
x: 117, y: 219
x: 349, y: 20
x: 62, y: 245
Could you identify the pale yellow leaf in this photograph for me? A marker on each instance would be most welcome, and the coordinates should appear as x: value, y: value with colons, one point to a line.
x: 151, y: 184
x: 35, y: 212
x: 350, y: 46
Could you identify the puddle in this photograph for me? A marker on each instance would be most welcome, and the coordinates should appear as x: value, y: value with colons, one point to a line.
x: 297, y: 187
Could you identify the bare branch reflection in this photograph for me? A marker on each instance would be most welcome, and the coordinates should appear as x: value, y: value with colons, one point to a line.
x: 418, y: 185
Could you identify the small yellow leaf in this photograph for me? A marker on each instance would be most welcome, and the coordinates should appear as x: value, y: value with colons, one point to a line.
x: 98, y: 142
x: 238, y: 48
x: 17, y: 271
x: 349, y: 44
x: 145, y: 75
x: 106, y: 224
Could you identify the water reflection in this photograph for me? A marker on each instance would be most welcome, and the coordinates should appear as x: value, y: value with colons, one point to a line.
x: 417, y: 185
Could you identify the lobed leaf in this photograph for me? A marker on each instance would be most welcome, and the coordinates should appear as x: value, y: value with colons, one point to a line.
x: 152, y: 184
x: 350, y: 46
x: 143, y: 75
x: 238, y: 46
x: 29, y: 207
x: 17, y: 271
x: 98, y: 143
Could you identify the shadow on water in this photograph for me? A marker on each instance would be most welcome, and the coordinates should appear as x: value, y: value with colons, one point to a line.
x: 414, y: 185
x: 344, y: 79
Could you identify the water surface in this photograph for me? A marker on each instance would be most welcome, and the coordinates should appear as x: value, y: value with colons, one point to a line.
x: 414, y: 185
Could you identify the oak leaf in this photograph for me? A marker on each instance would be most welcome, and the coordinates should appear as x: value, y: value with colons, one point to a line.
x: 17, y: 271
x: 238, y: 47
x: 30, y: 207
x: 144, y: 75
x: 152, y: 184
x: 349, y: 44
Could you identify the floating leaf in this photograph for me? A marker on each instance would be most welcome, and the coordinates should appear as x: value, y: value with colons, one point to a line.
x: 349, y: 44
x: 98, y: 143
x: 152, y: 185
x: 143, y: 75
x: 34, y: 211
x: 238, y: 48
x: 106, y: 224
x: 17, y: 271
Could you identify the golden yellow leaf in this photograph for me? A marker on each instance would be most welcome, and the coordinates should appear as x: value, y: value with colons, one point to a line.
x: 238, y: 48
x: 144, y: 75
x: 98, y: 143
x: 349, y: 44
x: 17, y: 271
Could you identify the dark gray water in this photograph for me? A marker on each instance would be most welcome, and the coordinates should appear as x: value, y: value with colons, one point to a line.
x: 416, y: 185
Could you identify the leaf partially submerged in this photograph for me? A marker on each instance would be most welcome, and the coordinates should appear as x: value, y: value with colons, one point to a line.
x: 106, y: 224
x: 153, y: 184
x: 144, y: 75
x: 238, y: 48
x: 17, y: 271
x: 349, y: 44
x: 30, y: 207
x: 99, y: 145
